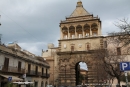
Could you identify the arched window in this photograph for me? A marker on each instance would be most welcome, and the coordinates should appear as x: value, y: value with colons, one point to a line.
x: 94, y: 26
x: 94, y: 29
x: 65, y: 30
x: 46, y: 84
x: 79, y: 28
x: 71, y: 29
x: 87, y: 30
x: 86, y: 27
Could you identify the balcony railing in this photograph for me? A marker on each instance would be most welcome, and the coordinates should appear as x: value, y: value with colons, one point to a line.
x: 45, y: 75
x: 32, y: 72
x: 12, y: 69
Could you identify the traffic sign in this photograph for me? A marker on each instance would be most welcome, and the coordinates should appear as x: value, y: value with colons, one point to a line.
x: 125, y: 66
x: 9, y: 78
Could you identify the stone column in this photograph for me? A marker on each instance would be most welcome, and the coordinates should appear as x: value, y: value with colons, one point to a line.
x: 99, y: 29
x: 83, y: 32
x: 68, y: 34
x: 75, y: 32
x: 61, y: 33
x: 90, y: 31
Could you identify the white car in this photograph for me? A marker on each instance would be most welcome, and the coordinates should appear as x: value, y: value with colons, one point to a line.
x: 49, y: 86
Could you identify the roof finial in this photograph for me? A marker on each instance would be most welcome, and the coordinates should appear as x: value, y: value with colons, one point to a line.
x: 79, y: 3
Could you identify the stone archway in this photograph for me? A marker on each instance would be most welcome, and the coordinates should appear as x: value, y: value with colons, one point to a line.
x: 67, y: 63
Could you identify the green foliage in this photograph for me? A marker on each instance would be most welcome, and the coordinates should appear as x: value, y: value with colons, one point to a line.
x: 9, y: 84
x: 81, y: 77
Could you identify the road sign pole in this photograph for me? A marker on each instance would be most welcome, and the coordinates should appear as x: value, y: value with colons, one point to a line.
x: 126, y: 79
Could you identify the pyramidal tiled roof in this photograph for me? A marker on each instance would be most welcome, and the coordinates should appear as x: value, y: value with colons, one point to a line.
x: 79, y: 11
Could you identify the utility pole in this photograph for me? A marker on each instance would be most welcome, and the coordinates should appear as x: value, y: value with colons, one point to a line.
x: 126, y: 79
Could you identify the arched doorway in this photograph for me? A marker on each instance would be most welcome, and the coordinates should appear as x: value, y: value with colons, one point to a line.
x: 81, y: 73
x: 69, y: 71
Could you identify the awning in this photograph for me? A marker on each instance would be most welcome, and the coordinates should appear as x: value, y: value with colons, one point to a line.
x: 14, y: 78
x: 23, y: 82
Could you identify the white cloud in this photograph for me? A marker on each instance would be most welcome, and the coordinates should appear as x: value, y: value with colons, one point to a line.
x: 33, y: 21
x: 35, y: 48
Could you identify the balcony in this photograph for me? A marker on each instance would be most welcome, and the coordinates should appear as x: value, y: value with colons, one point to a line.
x: 34, y: 73
x: 45, y: 75
x: 12, y: 69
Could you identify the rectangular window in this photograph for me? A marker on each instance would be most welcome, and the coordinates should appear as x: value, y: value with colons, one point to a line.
x: 42, y: 71
x: 118, y: 51
x: 19, y: 66
x: 36, y: 70
x: 72, y: 48
x: 29, y: 68
x: 6, y: 64
x: 88, y: 47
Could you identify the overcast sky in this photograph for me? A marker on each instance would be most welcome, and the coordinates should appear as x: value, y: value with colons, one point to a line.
x: 35, y: 23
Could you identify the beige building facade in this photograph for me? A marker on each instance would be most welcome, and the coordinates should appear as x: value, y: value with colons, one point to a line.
x: 80, y: 34
x: 19, y: 65
x: 51, y: 57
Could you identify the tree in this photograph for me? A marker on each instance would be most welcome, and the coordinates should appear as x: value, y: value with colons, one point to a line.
x: 116, y: 49
x: 123, y: 25
x: 81, y: 78
x: 110, y: 56
x: 124, y: 34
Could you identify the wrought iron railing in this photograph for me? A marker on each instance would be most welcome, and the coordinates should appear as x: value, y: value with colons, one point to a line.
x: 12, y: 69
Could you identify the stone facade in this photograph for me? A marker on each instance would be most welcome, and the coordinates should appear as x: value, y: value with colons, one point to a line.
x: 80, y: 37
x: 52, y: 58
x: 80, y: 34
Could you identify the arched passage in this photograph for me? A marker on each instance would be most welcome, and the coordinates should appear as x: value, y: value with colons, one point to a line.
x: 81, y: 73
x: 70, y: 72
